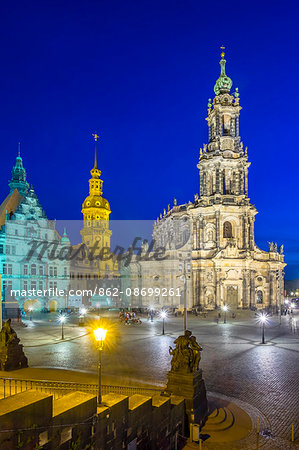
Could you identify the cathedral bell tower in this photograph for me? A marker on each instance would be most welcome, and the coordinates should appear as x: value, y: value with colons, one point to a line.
x: 96, y: 210
x: 223, y: 163
x: 223, y: 170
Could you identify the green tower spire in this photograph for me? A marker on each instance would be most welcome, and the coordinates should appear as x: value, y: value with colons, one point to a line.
x: 224, y: 83
x: 18, y: 179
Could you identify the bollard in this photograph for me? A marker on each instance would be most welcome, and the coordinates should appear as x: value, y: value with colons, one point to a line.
x: 292, y: 432
x: 200, y: 444
x: 257, y: 425
x: 191, y: 432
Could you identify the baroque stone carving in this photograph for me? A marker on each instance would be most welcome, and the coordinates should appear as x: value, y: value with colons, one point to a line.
x: 186, y: 354
x: 11, y: 352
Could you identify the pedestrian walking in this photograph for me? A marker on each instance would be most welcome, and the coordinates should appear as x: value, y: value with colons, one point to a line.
x: 294, y: 325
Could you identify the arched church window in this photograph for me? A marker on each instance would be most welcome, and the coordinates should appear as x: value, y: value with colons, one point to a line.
x: 259, y: 297
x: 227, y: 230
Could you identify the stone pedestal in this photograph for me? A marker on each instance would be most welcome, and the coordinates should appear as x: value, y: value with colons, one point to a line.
x: 12, y: 356
x: 191, y: 386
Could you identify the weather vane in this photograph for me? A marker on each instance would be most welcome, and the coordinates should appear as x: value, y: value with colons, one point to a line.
x: 222, y: 53
x: 96, y: 136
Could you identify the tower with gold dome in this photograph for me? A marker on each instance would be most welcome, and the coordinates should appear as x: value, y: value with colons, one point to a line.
x: 95, y: 268
x: 96, y: 210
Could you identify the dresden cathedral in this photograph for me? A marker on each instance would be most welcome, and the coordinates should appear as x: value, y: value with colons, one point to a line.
x: 211, y: 255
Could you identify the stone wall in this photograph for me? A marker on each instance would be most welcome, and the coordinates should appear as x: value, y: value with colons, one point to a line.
x: 34, y: 418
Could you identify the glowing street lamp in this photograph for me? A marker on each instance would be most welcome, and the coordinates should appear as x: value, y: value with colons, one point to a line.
x: 225, y: 309
x: 263, y: 320
x: 62, y: 319
x: 83, y: 311
x: 99, y: 335
x: 163, y: 316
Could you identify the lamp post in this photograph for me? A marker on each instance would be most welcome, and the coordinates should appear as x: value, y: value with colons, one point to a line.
x: 163, y: 316
x: 100, y: 334
x: 62, y: 319
x: 225, y: 309
x: 82, y: 315
x: 263, y: 319
x: 30, y: 309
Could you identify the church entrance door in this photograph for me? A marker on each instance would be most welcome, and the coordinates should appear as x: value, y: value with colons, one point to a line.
x: 232, y: 296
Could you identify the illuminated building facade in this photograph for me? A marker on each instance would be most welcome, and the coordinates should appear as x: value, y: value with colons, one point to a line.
x: 220, y: 261
x: 22, y: 221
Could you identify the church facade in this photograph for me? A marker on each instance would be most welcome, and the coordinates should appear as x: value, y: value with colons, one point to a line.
x: 211, y: 255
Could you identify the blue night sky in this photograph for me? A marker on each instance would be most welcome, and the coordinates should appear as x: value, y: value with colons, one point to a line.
x: 140, y: 73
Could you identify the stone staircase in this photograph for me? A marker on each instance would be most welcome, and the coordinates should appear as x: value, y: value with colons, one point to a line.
x: 221, y: 419
x: 226, y: 423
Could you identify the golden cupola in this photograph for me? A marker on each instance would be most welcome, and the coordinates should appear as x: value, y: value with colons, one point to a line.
x: 95, y: 207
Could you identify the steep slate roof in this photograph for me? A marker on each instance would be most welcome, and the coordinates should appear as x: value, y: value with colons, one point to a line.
x: 11, y: 203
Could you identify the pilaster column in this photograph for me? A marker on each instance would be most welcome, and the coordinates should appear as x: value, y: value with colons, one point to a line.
x: 246, y: 281
x: 198, y: 233
x: 200, y: 183
x: 251, y: 233
x: 237, y: 126
x: 218, y: 179
x: 217, y: 229
x: 232, y: 127
x: 252, y: 288
x: 246, y: 183
x: 196, y: 282
x: 204, y: 182
x: 245, y: 232
x: 271, y: 289
x: 218, y: 294
x: 201, y: 288
x: 194, y: 232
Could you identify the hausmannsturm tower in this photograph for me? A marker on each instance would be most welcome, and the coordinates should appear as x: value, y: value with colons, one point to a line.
x: 96, y: 210
x: 225, y: 266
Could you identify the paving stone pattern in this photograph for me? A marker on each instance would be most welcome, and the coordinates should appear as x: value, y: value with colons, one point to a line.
x: 233, y: 360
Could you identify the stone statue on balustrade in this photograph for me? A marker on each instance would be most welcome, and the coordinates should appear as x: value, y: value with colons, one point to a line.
x: 11, y: 351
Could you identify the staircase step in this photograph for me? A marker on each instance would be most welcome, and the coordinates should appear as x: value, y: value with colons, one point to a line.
x: 219, y: 418
x: 218, y: 427
x: 214, y: 413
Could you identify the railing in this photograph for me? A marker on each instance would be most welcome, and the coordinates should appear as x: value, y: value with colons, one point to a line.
x: 11, y: 386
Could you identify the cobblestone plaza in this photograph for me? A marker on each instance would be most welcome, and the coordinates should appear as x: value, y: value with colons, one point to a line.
x: 233, y: 360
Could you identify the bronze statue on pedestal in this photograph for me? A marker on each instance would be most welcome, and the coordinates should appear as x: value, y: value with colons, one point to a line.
x: 186, y: 354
